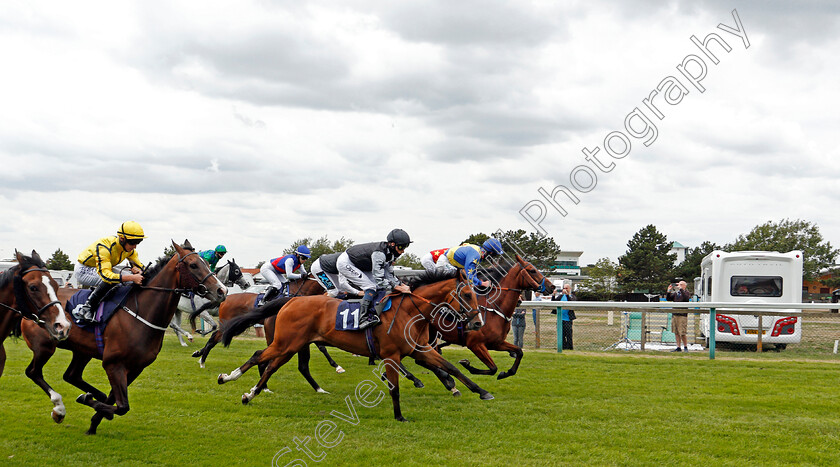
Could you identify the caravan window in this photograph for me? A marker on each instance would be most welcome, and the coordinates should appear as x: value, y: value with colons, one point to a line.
x: 755, y: 286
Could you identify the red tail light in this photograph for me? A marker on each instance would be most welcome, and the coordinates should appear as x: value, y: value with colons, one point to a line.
x: 785, y: 326
x: 728, y: 325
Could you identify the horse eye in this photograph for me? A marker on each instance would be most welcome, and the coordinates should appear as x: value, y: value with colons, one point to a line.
x: 194, y: 266
x: 33, y: 288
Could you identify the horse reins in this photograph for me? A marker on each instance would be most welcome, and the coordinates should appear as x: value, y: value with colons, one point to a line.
x: 36, y: 316
x: 165, y: 289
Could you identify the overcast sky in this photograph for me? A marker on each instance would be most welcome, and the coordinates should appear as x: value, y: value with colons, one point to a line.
x: 257, y: 123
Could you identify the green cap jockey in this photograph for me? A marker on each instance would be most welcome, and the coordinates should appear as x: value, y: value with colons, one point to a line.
x: 213, y: 256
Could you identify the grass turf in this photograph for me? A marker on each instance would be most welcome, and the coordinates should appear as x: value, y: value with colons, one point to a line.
x: 569, y: 409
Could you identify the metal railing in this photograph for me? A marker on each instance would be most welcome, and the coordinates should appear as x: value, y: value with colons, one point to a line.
x: 809, y: 310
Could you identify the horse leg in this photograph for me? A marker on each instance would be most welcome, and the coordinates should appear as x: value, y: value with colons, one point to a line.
x: 35, y: 372
x: 175, y: 324
x: 394, y: 385
x: 409, y: 376
x: 211, y: 342
x: 273, y: 365
x: 481, y: 352
x: 119, y: 379
x: 514, y: 352
x: 73, y: 375
x: 206, y: 316
x: 323, y: 349
x: 2, y: 357
x: 237, y: 373
x: 435, y: 359
x: 303, y: 368
x: 443, y: 376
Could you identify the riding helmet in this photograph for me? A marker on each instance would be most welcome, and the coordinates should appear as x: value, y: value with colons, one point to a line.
x: 399, y: 236
x: 131, y: 231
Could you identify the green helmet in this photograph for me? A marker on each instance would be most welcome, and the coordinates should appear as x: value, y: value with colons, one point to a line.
x: 221, y: 249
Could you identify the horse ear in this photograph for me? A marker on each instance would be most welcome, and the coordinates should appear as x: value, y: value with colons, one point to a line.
x: 519, y: 259
x: 36, y: 257
x: 19, y: 256
x: 177, y: 247
x: 188, y: 245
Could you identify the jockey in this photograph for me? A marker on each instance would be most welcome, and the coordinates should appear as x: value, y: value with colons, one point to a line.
x: 213, y: 256
x: 467, y: 257
x: 370, y: 267
x: 326, y: 273
x: 429, y: 260
x: 279, y: 271
x: 94, y: 265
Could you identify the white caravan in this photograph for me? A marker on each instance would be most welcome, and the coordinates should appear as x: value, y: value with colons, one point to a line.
x: 752, y: 277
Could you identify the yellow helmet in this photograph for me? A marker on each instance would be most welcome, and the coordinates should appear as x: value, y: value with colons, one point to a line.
x: 131, y: 231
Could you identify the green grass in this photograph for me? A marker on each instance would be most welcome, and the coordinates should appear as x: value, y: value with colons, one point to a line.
x: 569, y: 409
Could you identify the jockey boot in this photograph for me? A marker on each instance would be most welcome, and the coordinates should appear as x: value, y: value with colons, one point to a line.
x: 270, y: 294
x: 371, y: 317
x: 87, y: 313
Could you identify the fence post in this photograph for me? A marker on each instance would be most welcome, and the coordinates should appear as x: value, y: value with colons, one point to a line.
x: 559, y: 331
x: 712, y: 328
x: 536, y: 328
x: 759, y: 335
x: 644, y: 329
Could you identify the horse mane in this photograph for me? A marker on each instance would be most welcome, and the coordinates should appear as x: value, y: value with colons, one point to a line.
x: 495, y: 273
x: 153, y: 270
x: 7, y: 275
x: 430, y: 277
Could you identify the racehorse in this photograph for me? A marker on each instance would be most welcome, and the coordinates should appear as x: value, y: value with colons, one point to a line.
x: 239, y: 304
x: 27, y: 291
x: 499, y: 308
x: 132, y: 338
x: 404, y: 331
x: 229, y: 274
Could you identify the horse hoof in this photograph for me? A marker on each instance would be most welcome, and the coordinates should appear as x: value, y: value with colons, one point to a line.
x: 321, y: 391
x: 184, y: 344
x: 108, y: 416
x: 201, y: 364
x: 487, y: 396
x: 90, y: 432
x: 196, y: 354
x: 268, y: 391
x: 402, y: 419
x: 58, y: 418
x: 221, y: 379
x: 419, y: 384
x: 245, y: 399
x: 338, y: 369
x: 503, y: 375
x: 456, y: 392
x: 84, y: 399
x: 464, y: 361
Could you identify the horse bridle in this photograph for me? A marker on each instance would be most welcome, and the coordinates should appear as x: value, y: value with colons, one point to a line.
x: 461, y: 315
x: 28, y: 314
x: 542, y: 289
x: 196, y: 286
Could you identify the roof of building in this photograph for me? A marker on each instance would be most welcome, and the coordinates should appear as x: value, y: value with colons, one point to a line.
x: 678, y: 245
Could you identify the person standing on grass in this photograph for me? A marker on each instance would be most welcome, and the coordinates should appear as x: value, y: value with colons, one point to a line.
x: 518, y: 324
x: 566, y: 315
x: 679, y: 321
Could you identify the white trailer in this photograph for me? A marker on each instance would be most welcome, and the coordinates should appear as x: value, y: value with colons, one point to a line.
x: 752, y: 277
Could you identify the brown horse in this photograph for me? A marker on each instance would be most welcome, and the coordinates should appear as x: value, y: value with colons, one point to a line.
x: 404, y: 331
x: 132, y: 339
x: 28, y: 292
x: 239, y: 304
x: 499, y: 307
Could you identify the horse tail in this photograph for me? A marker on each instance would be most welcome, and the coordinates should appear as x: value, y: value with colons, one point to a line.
x: 236, y: 326
x: 194, y: 314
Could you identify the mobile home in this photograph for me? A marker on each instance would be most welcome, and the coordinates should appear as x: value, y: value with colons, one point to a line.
x: 752, y: 277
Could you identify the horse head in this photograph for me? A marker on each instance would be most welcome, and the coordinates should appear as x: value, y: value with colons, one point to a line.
x: 235, y: 276
x: 529, y: 277
x: 454, y: 298
x: 36, y: 296
x: 194, y: 274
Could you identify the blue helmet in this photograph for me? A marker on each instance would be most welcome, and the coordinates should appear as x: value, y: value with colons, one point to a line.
x: 492, y: 246
x: 303, y: 251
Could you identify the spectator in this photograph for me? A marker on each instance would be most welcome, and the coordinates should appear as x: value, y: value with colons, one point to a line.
x: 518, y: 324
x: 679, y: 321
x: 567, y: 316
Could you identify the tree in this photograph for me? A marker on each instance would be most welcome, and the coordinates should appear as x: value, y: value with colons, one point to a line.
x: 690, y: 267
x: 321, y: 246
x: 540, y: 250
x: 648, y: 263
x: 603, y: 279
x: 409, y: 260
x: 60, y: 261
x: 790, y: 235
